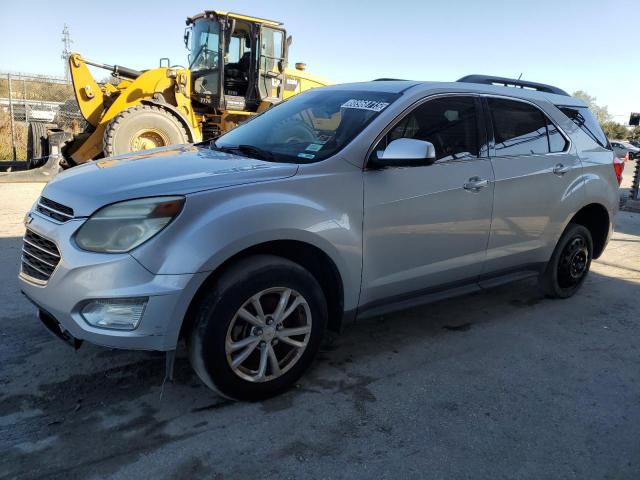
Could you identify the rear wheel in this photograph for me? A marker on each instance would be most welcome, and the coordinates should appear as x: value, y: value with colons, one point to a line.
x: 36, y: 143
x: 258, y: 329
x: 140, y: 128
x: 569, y: 264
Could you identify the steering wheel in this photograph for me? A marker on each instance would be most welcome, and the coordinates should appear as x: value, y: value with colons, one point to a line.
x: 289, y: 132
x: 206, y: 53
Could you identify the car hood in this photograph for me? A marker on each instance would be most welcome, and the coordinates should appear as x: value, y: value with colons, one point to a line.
x: 162, y: 171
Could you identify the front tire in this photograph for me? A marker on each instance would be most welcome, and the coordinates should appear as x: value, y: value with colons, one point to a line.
x: 141, y: 128
x: 569, y: 264
x: 258, y: 329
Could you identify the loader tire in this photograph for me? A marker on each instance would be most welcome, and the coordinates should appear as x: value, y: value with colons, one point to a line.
x: 140, y: 128
x: 36, y: 143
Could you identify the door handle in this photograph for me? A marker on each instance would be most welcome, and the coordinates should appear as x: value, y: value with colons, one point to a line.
x: 475, y: 184
x: 560, y: 169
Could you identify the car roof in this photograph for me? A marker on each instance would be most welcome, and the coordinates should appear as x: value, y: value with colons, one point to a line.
x: 402, y: 86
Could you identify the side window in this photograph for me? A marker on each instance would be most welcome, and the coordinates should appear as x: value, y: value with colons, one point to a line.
x: 449, y: 123
x: 272, y: 48
x: 234, y: 50
x: 584, y: 119
x: 519, y: 128
x: 557, y: 142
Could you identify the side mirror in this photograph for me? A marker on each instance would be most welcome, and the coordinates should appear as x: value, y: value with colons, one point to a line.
x: 289, y: 40
x: 187, y: 36
x: 407, y: 152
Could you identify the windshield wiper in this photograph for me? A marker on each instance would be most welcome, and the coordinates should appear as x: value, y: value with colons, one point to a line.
x: 248, y: 151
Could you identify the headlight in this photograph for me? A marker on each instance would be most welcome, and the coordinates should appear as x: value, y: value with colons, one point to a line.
x: 123, y: 226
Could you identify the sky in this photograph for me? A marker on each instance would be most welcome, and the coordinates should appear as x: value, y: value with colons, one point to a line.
x: 573, y: 44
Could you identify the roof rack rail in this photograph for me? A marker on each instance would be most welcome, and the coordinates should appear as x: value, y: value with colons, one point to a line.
x: 389, y: 80
x: 512, y: 82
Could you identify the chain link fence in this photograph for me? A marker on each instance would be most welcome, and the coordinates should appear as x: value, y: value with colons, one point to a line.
x: 25, y: 99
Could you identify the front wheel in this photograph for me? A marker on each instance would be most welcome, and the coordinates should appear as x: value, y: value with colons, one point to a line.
x: 569, y: 264
x: 258, y: 329
x: 141, y: 128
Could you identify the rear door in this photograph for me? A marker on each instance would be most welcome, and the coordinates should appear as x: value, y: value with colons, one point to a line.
x: 424, y: 231
x: 536, y: 185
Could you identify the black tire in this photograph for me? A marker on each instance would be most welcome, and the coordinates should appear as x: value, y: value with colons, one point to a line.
x: 37, y: 146
x: 569, y: 264
x: 215, y: 313
x: 123, y: 130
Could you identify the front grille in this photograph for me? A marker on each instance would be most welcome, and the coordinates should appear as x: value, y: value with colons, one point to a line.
x: 39, y: 256
x: 54, y: 210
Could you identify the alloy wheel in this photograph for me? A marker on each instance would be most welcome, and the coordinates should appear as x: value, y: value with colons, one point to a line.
x: 268, y: 334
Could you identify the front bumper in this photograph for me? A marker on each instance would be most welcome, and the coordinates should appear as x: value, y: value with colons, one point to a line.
x: 81, y: 276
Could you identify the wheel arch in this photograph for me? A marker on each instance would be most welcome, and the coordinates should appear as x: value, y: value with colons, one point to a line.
x: 309, y: 256
x: 595, y: 218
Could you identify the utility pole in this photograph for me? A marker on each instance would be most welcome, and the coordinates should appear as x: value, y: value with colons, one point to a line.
x: 66, y: 51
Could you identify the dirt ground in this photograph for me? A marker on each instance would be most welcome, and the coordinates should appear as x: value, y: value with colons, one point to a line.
x: 500, y: 384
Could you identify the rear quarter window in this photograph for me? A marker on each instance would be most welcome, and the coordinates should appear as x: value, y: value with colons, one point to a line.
x: 584, y: 119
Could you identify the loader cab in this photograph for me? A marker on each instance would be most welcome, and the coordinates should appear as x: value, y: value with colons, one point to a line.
x: 237, y: 63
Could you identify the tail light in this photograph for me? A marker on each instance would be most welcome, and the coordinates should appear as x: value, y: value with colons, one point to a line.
x: 618, y: 167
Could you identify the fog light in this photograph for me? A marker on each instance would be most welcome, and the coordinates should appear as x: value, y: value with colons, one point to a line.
x: 114, y: 313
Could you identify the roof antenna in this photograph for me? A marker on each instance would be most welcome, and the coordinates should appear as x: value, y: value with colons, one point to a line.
x: 520, y: 76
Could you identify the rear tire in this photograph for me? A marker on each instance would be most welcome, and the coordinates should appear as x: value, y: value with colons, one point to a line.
x: 569, y: 264
x: 225, y: 328
x: 37, y: 146
x: 140, y: 128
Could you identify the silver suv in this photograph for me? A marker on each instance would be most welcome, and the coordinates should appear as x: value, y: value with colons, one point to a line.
x: 351, y: 200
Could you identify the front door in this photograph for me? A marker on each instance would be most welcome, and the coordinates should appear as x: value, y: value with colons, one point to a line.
x: 426, y: 227
x: 271, y: 64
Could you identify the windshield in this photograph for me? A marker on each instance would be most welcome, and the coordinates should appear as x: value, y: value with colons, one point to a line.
x: 204, y: 45
x: 309, y: 127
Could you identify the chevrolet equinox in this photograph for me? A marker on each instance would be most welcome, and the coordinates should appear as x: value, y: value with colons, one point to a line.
x: 344, y: 201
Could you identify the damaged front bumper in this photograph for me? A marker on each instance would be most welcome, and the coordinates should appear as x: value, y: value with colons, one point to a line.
x: 81, y: 277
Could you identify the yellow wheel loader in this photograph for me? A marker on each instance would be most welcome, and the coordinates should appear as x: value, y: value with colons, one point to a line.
x: 237, y: 68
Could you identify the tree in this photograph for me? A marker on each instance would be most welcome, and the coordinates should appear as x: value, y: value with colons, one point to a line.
x: 634, y: 134
x: 615, y: 130
x: 601, y: 113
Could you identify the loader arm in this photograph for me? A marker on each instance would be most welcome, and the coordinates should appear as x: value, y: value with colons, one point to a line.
x: 89, y: 95
x: 99, y: 104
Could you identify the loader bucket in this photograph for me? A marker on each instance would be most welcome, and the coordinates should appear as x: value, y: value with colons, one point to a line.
x: 47, y: 171
x: 41, y: 174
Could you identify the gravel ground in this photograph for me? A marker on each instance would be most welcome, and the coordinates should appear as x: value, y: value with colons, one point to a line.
x: 501, y: 384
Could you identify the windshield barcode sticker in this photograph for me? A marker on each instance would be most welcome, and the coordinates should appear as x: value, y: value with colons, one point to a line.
x: 306, y: 155
x: 365, y: 105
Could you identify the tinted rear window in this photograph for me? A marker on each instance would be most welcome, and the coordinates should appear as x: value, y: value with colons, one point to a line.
x: 519, y: 128
x: 583, y: 118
